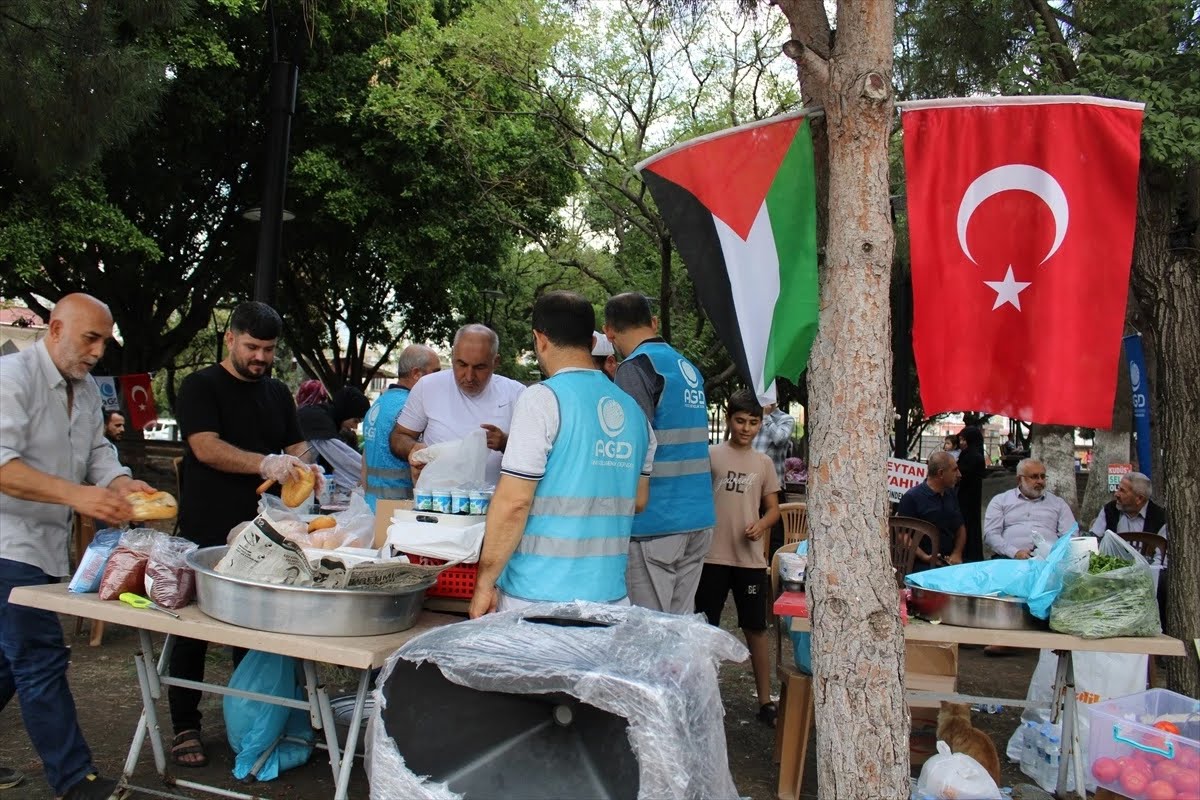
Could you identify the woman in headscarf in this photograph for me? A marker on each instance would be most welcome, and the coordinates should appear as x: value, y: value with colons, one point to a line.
x: 971, y: 464
x: 322, y: 425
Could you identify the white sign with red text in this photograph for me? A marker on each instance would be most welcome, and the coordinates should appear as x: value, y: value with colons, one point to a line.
x: 903, y: 475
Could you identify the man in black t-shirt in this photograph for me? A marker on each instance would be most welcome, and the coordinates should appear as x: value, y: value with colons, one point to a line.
x: 239, y: 426
x: 935, y: 501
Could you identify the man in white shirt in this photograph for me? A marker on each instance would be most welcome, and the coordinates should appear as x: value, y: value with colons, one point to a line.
x: 448, y: 405
x: 1014, y: 516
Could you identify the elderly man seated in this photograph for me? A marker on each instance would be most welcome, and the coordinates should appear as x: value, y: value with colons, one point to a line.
x: 1131, y: 510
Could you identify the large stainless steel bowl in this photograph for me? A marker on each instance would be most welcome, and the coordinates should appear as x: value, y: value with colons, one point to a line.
x: 298, y: 609
x: 973, y: 611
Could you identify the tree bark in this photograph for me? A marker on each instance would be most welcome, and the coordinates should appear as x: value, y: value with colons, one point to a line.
x: 862, y: 720
x: 1109, y: 447
x: 1054, y: 446
x: 1167, y: 282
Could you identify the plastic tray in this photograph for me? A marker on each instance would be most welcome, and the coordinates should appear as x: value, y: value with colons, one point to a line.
x: 1123, y: 728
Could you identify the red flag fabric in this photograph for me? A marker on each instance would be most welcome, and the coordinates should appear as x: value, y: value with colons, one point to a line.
x: 1021, y: 214
x: 139, y: 400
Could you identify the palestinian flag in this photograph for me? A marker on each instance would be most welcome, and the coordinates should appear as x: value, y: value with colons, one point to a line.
x: 741, y: 207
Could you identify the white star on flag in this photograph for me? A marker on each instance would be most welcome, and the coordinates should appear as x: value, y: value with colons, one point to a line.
x: 1008, y: 290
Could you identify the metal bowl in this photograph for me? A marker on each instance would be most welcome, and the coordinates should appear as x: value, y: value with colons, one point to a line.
x: 299, y: 609
x: 973, y: 611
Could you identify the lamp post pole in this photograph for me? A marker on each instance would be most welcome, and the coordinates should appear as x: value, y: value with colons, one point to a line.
x: 282, y: 104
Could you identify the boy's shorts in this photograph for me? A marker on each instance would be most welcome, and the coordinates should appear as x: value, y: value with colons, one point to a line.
x: 750, y: 587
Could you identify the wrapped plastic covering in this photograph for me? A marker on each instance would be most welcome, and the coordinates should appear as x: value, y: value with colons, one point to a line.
x: 657, y: 671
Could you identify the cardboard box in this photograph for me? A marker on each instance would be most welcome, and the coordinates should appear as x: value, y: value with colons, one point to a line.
x: 931, y: 667
x: 383, y: 518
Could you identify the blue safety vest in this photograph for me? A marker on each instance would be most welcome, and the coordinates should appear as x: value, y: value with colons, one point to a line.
x: 388, y: 477
x: 576, y: 540
x: 681, y: 498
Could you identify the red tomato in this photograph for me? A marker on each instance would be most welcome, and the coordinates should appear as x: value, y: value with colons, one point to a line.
x: 1188, y: 758
x: 1169, y: 727
x: 1160, y: 790
x: 1134, y: 781
x: 1187, y: 784
x: 1165, y: 769
x: 1105, y: 770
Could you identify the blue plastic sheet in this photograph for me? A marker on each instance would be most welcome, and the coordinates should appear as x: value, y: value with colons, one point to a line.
x: 1038, y: 581
x: 254, y: 727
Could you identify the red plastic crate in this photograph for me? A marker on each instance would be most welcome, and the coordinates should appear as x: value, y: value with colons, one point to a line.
x: 457, y: 581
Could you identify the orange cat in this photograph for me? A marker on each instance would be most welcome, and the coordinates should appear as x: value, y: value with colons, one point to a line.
x: 954, y: 728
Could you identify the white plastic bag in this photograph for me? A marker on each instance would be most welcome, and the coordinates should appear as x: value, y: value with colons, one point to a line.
x: 955, y: 776
x: 1098, y: 677
x: 450, y: 465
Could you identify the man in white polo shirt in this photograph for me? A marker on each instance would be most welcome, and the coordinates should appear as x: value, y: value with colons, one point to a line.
x: 446, y: 406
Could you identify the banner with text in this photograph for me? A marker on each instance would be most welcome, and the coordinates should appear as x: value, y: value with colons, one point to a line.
x: 903, y: 475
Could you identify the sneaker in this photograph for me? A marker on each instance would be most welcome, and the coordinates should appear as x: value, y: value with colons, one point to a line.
x: 10, y: 778
x: 93, y: 787
x: 767, y: 714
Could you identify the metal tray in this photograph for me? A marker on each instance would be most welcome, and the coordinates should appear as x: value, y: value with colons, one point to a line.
x: 297, y: 609
x: 973, y: 611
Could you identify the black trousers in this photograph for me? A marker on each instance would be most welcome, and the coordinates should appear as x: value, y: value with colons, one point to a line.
x: 187, y: 662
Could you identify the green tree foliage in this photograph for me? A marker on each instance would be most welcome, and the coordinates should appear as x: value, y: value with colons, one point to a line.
x: 419, y: 164
x: 79, y: 77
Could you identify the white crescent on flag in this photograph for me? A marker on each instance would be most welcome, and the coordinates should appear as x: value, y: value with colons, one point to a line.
x: 133, y: 393
x: 1015, y: 177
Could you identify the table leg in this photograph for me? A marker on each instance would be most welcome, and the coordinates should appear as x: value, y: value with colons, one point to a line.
x: 360, y: 700
x: 325, y: 710
x: 150, y: 719
x: 1064, y: 700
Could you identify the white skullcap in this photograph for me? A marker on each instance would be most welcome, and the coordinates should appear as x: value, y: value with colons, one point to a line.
x: 603, y: 348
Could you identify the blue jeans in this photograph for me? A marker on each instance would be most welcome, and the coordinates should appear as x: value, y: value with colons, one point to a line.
x: 33, y: 663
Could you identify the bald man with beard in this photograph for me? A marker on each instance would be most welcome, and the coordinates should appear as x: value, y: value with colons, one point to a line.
x: 52, y: 442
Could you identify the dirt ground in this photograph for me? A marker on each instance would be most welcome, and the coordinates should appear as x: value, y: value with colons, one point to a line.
x: 104, y: 682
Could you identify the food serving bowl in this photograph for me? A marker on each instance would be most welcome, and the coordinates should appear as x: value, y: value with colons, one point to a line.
x: 301, y: 609
x: 973, y: 611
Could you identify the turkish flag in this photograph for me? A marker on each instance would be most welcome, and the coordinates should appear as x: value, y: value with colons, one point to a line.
x: 139, y: 400
x: 1021, y: 215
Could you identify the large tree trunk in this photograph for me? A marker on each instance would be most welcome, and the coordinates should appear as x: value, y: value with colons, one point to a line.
x: 862, y: 720
x: 1167, y: 282
x: 1054, y: 446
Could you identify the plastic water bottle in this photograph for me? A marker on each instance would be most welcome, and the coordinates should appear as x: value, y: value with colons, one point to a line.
x: 1029, y: 750
x: 1053, y: 755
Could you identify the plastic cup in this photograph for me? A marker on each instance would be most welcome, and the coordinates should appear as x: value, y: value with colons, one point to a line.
x: 441, y: 501
x: 422, y: 500
x: 475, y: 504
x: 460, y: 502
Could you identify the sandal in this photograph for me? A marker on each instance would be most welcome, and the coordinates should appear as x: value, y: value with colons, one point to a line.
x: 767, y: 714
x: 187, y: 743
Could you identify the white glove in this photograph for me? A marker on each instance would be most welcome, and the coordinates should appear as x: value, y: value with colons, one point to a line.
x: 278, y: 467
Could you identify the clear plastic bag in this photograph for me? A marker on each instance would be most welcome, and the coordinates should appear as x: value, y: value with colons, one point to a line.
x: 955, y: 776
x: 170, y: 582
x: 126, y: 567
x: 1120, y: 602
x: 93, y: 561
x: 453, y: 464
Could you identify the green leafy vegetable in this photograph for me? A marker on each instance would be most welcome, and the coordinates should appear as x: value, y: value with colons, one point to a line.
x: 1115, y: 597
x: 1099, y: 563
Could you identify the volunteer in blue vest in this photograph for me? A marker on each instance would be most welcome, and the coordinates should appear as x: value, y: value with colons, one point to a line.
x: 385, y: 476
x: 576, y: 469
x: 672, y: 536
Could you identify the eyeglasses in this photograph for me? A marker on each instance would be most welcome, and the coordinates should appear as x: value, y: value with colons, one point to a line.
x: 1037, y: 476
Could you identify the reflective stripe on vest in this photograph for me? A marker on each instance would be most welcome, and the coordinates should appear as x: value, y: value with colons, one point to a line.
x: 576, y: 540
x: 388, y: 477
x: 681, y: 499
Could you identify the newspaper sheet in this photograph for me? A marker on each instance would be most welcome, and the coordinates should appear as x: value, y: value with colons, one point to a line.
x: 260, y: 553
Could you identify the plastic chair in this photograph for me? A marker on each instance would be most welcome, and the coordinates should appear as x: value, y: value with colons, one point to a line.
x: 793, y: 726
x: 1150, y: 545
x: 908, y: 534
x: 795, y: 522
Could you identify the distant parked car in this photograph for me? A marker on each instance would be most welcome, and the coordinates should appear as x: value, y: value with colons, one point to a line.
x: 165, y: 430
